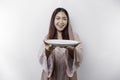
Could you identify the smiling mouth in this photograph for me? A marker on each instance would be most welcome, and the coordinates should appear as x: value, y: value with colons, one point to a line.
x: 61, y: 26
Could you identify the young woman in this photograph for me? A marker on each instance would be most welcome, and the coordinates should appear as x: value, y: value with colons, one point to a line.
x: 60, y: 63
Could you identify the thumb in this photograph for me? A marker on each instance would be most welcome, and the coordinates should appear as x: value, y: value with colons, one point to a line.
x: 45, y: 42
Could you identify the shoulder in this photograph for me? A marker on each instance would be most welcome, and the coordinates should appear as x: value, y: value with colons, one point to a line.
x: 76, y: 36
x: 46, y: 37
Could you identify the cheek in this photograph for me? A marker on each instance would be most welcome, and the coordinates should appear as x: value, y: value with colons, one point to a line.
x: 65, y: 22
x: 56, y: 21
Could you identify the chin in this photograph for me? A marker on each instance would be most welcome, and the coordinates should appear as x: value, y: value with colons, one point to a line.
x: 60, y: 30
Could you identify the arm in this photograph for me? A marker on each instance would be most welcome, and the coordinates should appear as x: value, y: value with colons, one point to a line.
x: 46, y: 59
x: 73, y: 57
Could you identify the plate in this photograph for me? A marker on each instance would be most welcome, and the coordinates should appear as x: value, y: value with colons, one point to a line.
x: 58, y: 42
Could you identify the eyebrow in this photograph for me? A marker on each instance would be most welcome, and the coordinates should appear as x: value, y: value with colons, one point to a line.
x: 62, y: 17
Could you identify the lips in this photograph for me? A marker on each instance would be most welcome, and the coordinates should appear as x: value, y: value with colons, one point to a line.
x: 61, y: 26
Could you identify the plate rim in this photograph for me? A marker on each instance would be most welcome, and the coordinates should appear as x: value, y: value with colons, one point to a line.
x: 62, y: 44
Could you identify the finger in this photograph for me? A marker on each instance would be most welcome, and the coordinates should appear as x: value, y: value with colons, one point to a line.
x: 50, y: 45
x: 70, y: 47
x: 53, y: 46
x: 45, y: 42
x: 76, y: 44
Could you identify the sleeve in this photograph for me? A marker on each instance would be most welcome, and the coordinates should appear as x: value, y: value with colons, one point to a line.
x: 73, y: 61
x: 46, y: 63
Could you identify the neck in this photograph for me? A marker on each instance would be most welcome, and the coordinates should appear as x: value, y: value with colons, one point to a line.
x: 59, y: 35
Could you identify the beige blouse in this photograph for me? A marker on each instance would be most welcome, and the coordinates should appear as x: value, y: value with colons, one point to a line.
x: 60, y: 65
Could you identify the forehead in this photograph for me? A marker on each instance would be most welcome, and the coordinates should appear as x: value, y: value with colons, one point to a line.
x: 61, y: 14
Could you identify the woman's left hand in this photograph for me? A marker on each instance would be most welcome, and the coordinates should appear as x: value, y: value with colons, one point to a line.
x: 72, y: 47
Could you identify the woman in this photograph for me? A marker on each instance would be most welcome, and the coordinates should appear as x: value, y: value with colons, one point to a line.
x: 60, y: 63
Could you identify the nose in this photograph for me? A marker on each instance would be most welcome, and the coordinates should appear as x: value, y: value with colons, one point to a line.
x: 61, y: 21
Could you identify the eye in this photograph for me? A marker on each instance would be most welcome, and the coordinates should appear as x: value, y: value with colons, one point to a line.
x: 57, y: 18
x: 65, y: 19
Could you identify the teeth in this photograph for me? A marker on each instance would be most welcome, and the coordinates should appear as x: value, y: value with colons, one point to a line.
x: 60, y: 25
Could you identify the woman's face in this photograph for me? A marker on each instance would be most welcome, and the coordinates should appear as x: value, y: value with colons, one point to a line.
x: 60, y: 21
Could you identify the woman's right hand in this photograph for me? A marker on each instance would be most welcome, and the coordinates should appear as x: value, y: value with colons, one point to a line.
x: 49, y: 47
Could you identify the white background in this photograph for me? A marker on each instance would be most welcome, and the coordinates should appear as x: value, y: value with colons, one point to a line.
x: 24, y: 23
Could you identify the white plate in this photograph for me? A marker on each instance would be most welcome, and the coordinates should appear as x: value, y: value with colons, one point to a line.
x: 58, y: 42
